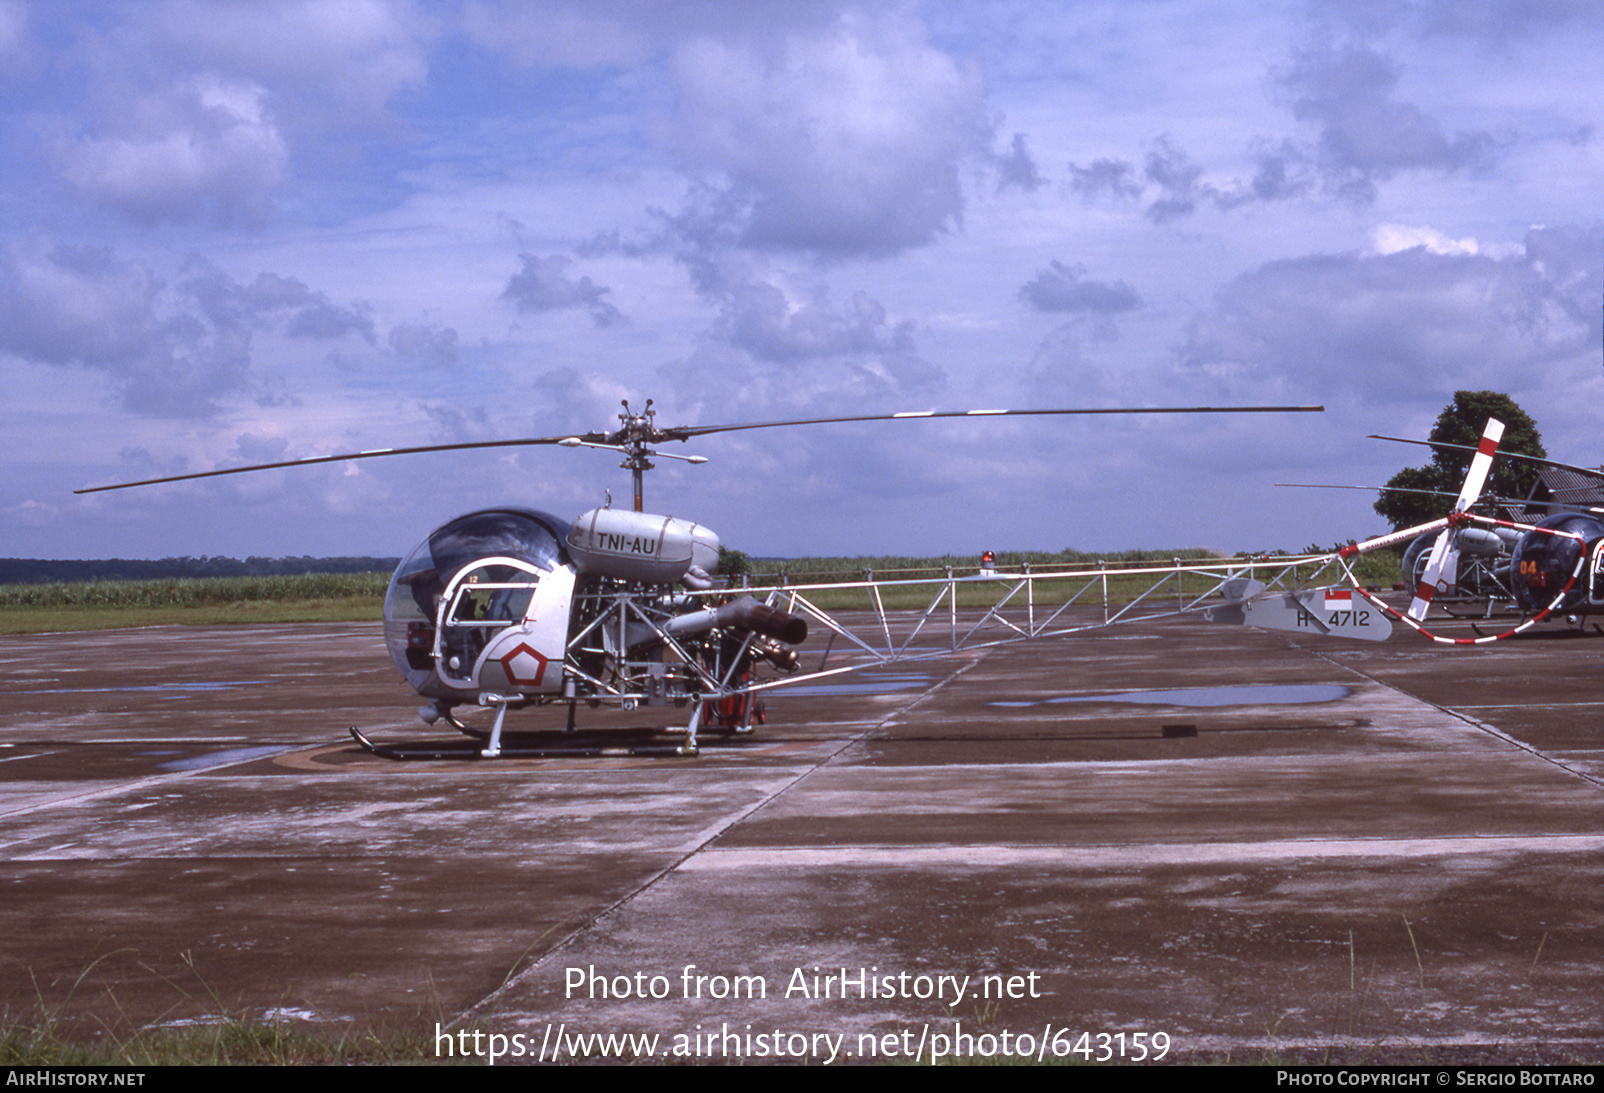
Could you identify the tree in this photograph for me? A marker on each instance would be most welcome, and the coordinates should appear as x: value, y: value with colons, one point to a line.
x: 1462, y: 422
x: 733, y: 563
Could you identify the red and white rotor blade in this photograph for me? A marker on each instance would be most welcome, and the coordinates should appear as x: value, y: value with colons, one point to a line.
x: 1442, y: 570
x: 1481, y: 464
x: 1442, y: 567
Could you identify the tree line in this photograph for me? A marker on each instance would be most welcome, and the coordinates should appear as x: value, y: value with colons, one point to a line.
x: 52, y: 571
x: 1417, y: 494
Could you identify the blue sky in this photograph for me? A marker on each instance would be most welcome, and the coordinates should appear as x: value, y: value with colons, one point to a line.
x: 241, y: 232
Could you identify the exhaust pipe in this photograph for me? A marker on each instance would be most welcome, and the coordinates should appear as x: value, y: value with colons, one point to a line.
x: 744, y: 613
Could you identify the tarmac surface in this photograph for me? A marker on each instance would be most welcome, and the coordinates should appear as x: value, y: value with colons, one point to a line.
x: 1348, y: 850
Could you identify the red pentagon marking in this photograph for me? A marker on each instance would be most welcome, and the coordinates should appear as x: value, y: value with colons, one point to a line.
x: 525, y: 667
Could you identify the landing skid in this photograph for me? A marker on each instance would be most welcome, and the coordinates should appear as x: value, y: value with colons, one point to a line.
x: 1484, y: 614
x: 464, y: 750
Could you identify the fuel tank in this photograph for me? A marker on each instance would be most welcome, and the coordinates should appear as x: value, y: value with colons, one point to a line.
x: 1485, y: 543
x: 640, y: 546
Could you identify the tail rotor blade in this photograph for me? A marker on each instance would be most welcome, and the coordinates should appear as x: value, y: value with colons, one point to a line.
x: 1450, y: 564
x: 1430, y: 578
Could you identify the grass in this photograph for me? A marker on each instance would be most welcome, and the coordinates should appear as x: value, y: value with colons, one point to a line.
x: 206, y: 601
x: 1370, y: 1029
x: 896, y: 567
x: 196, y: 591
x: 43, y: 1036
x: 225, y: 1042
x: 45, y: 620
x: 1122, y: 587
x: 359, y: 597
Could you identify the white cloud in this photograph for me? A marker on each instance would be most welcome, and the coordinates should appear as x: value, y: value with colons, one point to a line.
x: 1411, y: 323
x: 1392, y: 238
x: 848, y: 141
x: 762, y: 318
x: 13, y: 27
x: 336, y: 61
x: 75, y: 304
x: 1365, y: 134
x: 177, y: 350
x: 804, y: 208
x: 1061, y: 288
x: 585, y: 34
x: 544, y: 285
x: 215, y: 156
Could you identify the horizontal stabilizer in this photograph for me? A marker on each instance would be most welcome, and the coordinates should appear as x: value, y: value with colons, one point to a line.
x: 1238, y: 589
x: 1333, y: 611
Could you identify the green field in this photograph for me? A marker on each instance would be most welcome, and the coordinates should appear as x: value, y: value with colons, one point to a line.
x: 1124, y: 581
x: 359, y: 597
x: 105, y: 605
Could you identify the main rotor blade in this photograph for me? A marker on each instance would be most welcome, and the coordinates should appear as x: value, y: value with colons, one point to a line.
x: 1591, y: 472
x: 684, y: 432
x: 1481, y: 464
x: 1371, y: 489
x: 373, y: 453
x: 1443, y: 565
x: 657, y: 435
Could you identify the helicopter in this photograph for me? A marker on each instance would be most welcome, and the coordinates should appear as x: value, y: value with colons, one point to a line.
x: 1522, y: 562
x: 1510, y: 562
x: 1556, y: 566
x: 508, y: 608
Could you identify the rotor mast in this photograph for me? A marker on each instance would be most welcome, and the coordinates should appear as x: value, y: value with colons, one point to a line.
x: 633, y: 438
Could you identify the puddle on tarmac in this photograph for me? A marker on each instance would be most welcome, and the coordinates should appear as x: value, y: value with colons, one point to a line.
x: 1266, y: 694
x: 866, y: 684
x: 224, y: 757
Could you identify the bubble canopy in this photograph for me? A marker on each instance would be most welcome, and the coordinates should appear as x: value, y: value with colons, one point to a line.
x: 525, y: 535
x: 1543, y: 563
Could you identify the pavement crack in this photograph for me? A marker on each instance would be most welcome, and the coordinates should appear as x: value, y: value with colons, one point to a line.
x: 708, y: 838
x: 1473, y: 722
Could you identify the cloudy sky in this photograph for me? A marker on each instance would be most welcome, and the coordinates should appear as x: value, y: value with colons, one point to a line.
x: 242, y: 232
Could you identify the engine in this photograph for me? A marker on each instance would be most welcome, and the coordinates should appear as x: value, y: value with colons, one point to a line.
x: 642, y: 548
